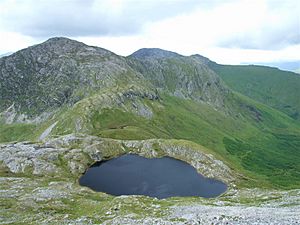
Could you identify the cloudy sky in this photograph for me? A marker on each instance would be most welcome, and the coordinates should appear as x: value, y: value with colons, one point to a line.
x: 226, y: 31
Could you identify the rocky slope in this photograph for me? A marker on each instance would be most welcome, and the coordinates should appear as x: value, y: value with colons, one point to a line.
x: 60, y: 71
x: 182, y: 76
x: 26, y: 200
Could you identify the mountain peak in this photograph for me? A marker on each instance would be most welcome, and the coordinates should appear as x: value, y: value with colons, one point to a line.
x: 61, y: 41
x: 63, y: 45
x: 154, y: 53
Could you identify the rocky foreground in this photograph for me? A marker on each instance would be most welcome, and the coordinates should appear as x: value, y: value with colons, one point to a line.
x: 39, y: 185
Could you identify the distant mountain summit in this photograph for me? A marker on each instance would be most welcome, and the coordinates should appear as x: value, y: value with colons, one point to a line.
x: 182, y: 76
x: 154, y: 53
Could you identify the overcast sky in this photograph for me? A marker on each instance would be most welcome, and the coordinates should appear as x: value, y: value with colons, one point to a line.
x: 226, y: 31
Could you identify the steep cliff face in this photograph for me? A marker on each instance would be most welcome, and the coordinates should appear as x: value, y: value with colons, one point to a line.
x: 184, y: 77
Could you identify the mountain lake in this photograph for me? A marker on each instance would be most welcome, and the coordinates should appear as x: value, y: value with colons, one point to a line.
x: 164, y: 177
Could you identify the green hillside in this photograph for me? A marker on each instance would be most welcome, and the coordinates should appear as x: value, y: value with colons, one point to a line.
x: 271, y: 86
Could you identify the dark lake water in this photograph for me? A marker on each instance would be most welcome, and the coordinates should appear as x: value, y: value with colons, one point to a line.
x: 158, y: 177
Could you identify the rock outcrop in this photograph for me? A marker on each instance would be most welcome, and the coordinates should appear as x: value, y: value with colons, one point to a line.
x: 72, y: 154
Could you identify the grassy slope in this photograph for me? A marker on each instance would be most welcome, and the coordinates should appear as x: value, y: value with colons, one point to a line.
x: 271, y: 86
x: 16, y: 132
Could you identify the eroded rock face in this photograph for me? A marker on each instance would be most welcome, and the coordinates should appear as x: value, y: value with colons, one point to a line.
x: 30, y: 158
x: 73, y: 154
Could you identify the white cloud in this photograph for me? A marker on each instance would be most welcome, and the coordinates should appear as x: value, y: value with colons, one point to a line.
x: 85, y: 18
x: 243, y: 24
x: 12, y: 41
x: 225, y: 31
x: 238, y: 56
x: 270, y: 26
